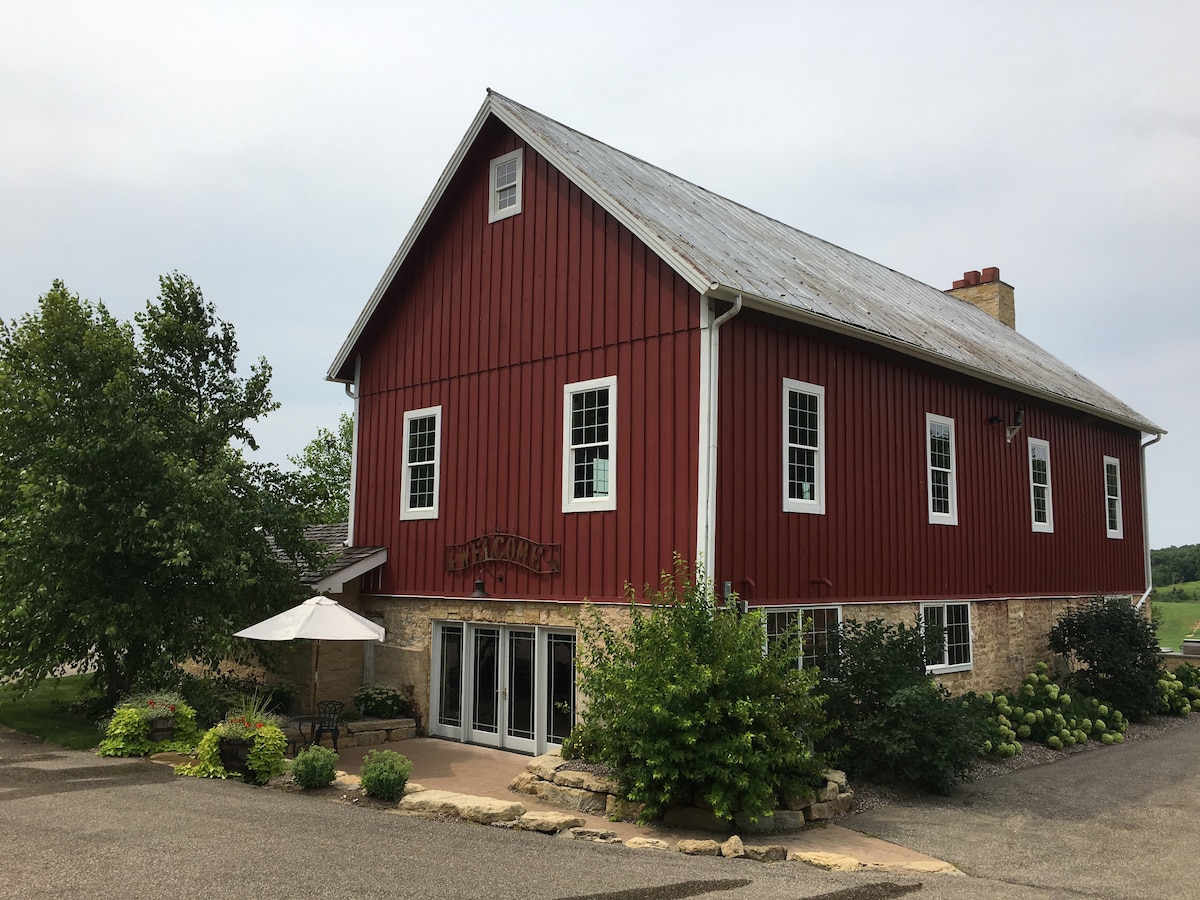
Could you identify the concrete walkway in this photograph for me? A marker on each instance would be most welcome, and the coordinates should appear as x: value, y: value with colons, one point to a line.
x: 486, y: 772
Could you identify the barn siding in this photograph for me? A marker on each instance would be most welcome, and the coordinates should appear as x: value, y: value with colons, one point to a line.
x: 875, y: 540
x: 490, y: 321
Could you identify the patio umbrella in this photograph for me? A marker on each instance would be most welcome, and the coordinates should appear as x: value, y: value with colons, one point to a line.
x: 318, y: 619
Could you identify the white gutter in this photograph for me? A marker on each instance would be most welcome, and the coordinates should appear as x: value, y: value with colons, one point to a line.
x: 1146, y: 522
x: 352, y: 393
x: 707, y: 543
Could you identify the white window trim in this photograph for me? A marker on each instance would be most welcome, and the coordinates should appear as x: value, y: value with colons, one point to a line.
x: 815, y: 506
x: 571, y: 503
x: 1119, y: 531
x: 802, y: 611
x: 494, y: 213
x: 941, y: 518
x: 943, y: 667
x: 424, y: 512
x: 1046, y: 527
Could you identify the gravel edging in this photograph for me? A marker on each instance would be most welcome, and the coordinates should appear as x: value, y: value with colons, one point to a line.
x: 869, y: 795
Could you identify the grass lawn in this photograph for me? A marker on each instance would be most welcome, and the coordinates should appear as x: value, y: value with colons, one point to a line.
x: 43, y: 712
x: 1177, y: 620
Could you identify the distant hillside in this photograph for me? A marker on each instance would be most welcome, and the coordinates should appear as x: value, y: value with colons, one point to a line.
x: 1175, y: 565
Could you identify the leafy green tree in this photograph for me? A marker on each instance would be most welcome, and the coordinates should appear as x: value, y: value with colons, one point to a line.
x: 688, y: 703
x: 1175, y: 565
x: 324, y: 472
x: 134, y: 535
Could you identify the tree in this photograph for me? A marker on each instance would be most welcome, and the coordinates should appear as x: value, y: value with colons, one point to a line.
x: 324, y: 472
x: 686, y: 704
x: 134, y: 535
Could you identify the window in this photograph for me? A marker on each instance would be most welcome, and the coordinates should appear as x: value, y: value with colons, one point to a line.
x: 955, y: 621
x: 505, y: 188
x: 943, y: 486
x: 590, y: 445
x: 818, y: 623
x: 1042, y: 505
x: 422, y: 451
x: 1112, y: 497
x: 803, y: 447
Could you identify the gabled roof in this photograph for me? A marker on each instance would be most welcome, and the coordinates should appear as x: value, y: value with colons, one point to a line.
x: 724, y: 249
x: 344, y: 563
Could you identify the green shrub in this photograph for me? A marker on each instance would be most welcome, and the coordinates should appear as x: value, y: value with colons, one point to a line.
x: 685, y: 705
x: 385, y: 702
x: 315, y: 767
x: 128, y: 732
x: 1179, y: 691
x: 384, y: 774
x: 892, y: 720
x: 249, y: 722
x: 1115, y: 651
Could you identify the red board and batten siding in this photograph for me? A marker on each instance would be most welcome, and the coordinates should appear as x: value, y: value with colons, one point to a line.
x: 874, y: 541
x: 491, y: 321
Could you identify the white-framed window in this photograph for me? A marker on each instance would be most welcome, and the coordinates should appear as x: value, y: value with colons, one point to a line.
x: 803, y: 447
x: 1113, y: 522
x: 504, y: 185
x: 818, y: 624
x: 422, y: 463
x: 955, y: 621
x: 590, y: 445
x: 1040, y: 499
x: 943, y: 478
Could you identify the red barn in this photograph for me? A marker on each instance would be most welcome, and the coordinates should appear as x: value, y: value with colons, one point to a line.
x: 578, y: 364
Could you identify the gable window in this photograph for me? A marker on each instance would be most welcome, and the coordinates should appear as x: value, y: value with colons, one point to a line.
x: 590, y: 445
x: 422, y: 461
x: 954, y: 619
x: 818, y: 623
x: 1112, y: 497
x: 943, y: 483
x: 505, y: 185
x: 1042, y: 505
x: 803, y: 447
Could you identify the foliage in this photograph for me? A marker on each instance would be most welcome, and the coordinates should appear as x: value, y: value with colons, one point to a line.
x: 247, y: 720
x: 1179, y: 691
x: 1042, y: 712
x: 1114, y: 650
x: 265, y: 759
x: 315, y: 767
x: 324, y: 473
x: 684, y: 704
x: 46, y: 710
x: 1175, y: 565
x: 385, y: 702
x: 128, y: 732
x: 893, y: 720
x: 212, y: 695
x: 384, y: 774
x: 266, y: 753
x: 133, y: 533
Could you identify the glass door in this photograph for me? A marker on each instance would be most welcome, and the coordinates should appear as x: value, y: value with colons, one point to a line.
x: 485, y: 689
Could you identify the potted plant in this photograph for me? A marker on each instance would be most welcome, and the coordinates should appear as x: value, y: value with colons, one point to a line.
x: 249, y: 742
x: 148, y: 723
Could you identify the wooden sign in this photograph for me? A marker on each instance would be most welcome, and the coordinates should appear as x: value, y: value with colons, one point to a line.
x: 503, y: 548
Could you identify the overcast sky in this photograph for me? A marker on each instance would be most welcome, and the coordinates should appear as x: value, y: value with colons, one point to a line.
x: 277, y: 153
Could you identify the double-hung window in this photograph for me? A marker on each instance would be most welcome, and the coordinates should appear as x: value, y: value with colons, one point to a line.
x: 943, y: 481
x: 1114, y: 525
x: 954, y: 620
x: 422, y: 463
x: 590, y: 445
x: 803, y: 447
x: 504, y: 190
x: 1041, y: 502
x: 817, y: 625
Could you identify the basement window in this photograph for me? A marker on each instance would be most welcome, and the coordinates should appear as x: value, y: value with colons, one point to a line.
x: 954, y: 619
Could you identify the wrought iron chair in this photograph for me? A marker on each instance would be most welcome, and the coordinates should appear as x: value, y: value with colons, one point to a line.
x: 328, y: 721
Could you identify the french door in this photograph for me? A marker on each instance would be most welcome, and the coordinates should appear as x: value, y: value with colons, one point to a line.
x: 504, y: 686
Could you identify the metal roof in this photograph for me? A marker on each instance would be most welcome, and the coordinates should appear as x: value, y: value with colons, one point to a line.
x: 723, y: 249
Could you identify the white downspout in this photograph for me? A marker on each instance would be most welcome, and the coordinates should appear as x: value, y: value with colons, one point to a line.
x: 1146, y: 522
x: 708, y: 544
x: 352, y: 393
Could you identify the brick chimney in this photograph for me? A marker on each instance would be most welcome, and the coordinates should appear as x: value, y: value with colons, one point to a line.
x: 989, y: 293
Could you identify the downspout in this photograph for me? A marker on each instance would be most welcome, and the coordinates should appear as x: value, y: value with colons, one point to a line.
x: 1146, y: 522
x: 352, y: 393
x: 713, y: 408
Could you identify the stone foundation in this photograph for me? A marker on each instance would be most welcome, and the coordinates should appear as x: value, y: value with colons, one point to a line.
x: 545, y: 778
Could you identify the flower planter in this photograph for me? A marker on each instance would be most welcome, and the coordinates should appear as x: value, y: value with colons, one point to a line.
x: 234, y: 753
x: 162, y: 729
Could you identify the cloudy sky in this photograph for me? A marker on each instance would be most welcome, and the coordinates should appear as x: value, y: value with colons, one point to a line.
x: 278, y: 152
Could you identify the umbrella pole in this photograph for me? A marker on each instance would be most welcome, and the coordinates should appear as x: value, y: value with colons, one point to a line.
x: 316, y: 677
